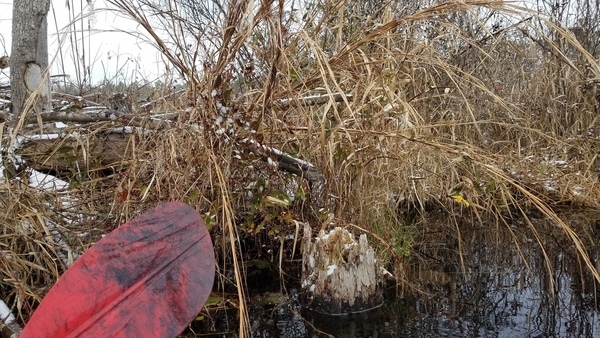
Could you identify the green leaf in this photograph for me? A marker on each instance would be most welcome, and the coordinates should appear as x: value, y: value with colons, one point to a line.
x: 64, y: 149
x: 491, y: 186
x: 260, y: 264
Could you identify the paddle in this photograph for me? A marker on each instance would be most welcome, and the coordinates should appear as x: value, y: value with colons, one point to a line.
x: 148, y: 278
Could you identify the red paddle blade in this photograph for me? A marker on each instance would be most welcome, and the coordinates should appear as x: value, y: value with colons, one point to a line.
x: 148, y: 278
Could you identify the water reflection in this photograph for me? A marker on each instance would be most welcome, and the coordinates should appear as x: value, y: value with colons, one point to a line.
x: 468, y: 278
x: 494, y: 284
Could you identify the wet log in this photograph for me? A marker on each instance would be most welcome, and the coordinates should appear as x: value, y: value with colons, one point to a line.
x: 339, y: 274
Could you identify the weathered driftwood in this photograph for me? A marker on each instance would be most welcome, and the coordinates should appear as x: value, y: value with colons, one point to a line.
x: 69, y: 152
x: 285, y: 161
x: 64, y: 157
x: 86, y: 152
x: 100, y: 150
x: 314, y: 100
x: 339, y: 274
x: 62, y: 116
x: 82, y: 116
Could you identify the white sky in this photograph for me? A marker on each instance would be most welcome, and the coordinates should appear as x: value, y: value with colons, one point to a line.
x: 112, y: 54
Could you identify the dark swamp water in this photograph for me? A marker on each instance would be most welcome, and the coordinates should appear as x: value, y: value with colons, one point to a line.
x: 485, y: 280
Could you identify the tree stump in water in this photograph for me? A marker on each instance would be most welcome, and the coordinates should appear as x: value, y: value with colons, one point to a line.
x: 339, y: 274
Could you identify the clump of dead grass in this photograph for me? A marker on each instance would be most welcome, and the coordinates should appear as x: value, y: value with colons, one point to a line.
x: 424, y: 107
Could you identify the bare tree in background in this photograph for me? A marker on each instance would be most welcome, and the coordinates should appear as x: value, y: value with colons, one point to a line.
x: 581, y: 17
x: 29, y: 57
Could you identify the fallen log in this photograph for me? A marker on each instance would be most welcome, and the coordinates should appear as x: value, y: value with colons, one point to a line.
x: 91, y: 152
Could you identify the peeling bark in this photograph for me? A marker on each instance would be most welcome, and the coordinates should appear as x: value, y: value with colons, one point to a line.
x: 29, y: 57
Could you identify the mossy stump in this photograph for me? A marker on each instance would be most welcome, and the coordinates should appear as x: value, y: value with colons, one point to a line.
x: 339, y: 274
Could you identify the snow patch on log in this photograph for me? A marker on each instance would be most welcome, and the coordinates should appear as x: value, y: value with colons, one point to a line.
x: 9, y: 320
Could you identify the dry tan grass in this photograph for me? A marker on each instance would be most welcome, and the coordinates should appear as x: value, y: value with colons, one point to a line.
x: 432, y: 114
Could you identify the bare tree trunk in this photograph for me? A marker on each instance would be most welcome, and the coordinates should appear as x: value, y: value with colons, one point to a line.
x: 29, y: 57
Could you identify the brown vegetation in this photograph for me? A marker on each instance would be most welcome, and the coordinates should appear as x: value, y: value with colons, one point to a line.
x: 477, y: 107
